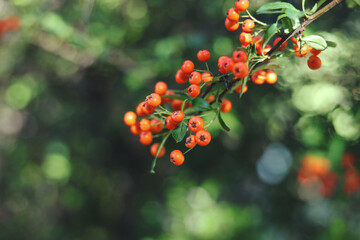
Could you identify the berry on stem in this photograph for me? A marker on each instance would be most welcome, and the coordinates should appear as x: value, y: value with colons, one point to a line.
x: 130, y: 118
x: 194, y: 90
x: 154, y: 148
x: 196, y: 124
x: 187, y: 67
x: 248, y: 25
x: 203, y: 55
x: 242, y: 5
x: 160, y: 88
x: 177, y: 157
x: 314, y: 62
x: 203, y: 137
x: 146, y: 138
x: 190, y: 141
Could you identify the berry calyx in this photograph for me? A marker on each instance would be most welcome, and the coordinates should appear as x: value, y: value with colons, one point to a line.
x: 190, y: 141
x: 196, y: 124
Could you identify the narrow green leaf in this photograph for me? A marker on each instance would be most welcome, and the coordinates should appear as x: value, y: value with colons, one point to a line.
x: 287, y: 24
x: 294, y: 15
x: 158, y: 151
x: 315, y: 41
x: 316, y: 6
x: 179, y: 132
x: 331, y: 44
x: 270, y: 32
x: 222, y: 123
x: 275, y: 7
x: 176, y: 96
x: 200, y: 104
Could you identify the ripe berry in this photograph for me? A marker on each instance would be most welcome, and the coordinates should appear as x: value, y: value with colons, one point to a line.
x: 266, y: 49
x: 245, y: 38
x: 225, y: 64
x: 195, y: 78
x: 242, y: 5
x: 176, y: 104
x: 211, y: 98
x: 196, y: 124
x: 314, y: 62
x: 239, y: 56
x: 294, y: 40
x: 154, y: 149
x: 301, y: 52
x: 139, y: 110
x: 348, y: 160
x: 315, y: 52
x: 146, y: 138
x: 181, y: 77
x: 238, y: 89
x: 177, y: 116
x: 147, y: 108
x: 176, y: 157
x: 190, y: 141
x: 194, y: 90
x: 258, y: 77
x: 203, y: 137
x: 144, y: 124
x: 271, y: 77
x: 161, y: 88
x: 248, y: 25
x: 240, y: 70
x: 282, y: 46
x: 135, y: 129
x: 231, y: 25
x: 206, y: 76
x: 153, y: 100
x: 156, y: 125
x: 130, y: 118
x: 187, y: 67
x: 226, y: 105
x: 203, y: 55
x: 170, y: 124
x: 233, y: 14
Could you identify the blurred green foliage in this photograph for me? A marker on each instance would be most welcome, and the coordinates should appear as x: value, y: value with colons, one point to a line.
x: 70, y: 169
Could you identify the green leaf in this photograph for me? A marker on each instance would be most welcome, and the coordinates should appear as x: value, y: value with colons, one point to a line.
x: 270, y: 32
x: 316, y: 42
x: 200, y: 104
x: 176, y: 96
x: 287, y: 24
x: 316, y: 6
x: 222, y: 123
x: 158, y: 151
x: 275, y: 7
x: 294, y: 15
x: 353, y: 3
x: 179, y: 132
x: 331, y: 44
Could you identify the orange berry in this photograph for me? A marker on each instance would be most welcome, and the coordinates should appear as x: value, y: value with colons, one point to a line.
x: 170, y: 123
x: 203, y: 55
x: 165, y: 100
x: 177, y: 116
x: 206, y: 76
x: 315, y: 52
x: 266, y: 49
x: 282, y: 46
x: 294, y: 40
x: 258, y: 77
x: 130, y: 118
x: 238, y: 89
x: 144, y: 124
x: 271, y: 77
x: 146, y: 138
x: 147, y: 108
x: 190, y: 141
x: 233, y: 14
x: 301, y: 52
x: 245, y: 38
x: 242, y: 5
x: 211, y: 98
x: 194, y: 90
x: 231, y: 25
x: 153, y: 100
x: 154, y: 149
x: 203, y: 137
x: 135, y: 129
x: 195, y: 78
x: 239, y: 56
x: 196, y: 124
x: 139, y: 110
x: 176, y: 104
x: 161, y: 88
x: 176, y: 157
x: 181, y: 77
x: 187, y: 67
x: 156, y: 125
x: 226, y: 105
x: 240, y: 70
x: 248, y: 25
x: 314, y: 62
x: 225, y: 64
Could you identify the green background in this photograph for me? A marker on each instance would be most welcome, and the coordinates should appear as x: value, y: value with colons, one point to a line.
x: 70, y: 168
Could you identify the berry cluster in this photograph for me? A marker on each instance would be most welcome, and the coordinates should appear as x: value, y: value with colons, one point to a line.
x: 179, y: 112
x: 316, y: 172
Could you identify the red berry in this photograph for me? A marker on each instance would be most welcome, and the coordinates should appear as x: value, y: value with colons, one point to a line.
x: 271, y: 77
x: 170, y: 123
x: 245, y: 38
x: 194, y: 90
x: 242, y: 5
x: 248, y: 25
x: 130, y: 118
x: 146, y: 138
x: 161, y: 88
x: 195, y: 78
x: 153, y: 100
x: 231, y: 25
x: 282, y: 46
x: 190, y: 141
x: 187, y: 67
x: 203, y: 55
x: 233, y: 14
x: 177, y: 116
x: 203, y: 137
x: 238, y: 89
x: 226, y: 105
x: 196, y: 124
x: 314, y: 62
x: 176, y: 157
x: 181, y: 77
x: 239, y: 56
x: 154, y: 149
x: 240, y: 70
x: 144, y: 124
x: 156, y: 125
